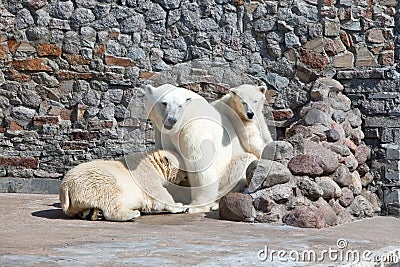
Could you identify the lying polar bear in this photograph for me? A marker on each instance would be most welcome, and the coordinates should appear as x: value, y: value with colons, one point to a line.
x: 121, y: 189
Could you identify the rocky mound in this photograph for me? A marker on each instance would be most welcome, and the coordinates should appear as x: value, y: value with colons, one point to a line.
x: 317, y: 176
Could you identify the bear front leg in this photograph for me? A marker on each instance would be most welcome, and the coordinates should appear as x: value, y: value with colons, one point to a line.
x: 119, y: 213
x: 204, y: 191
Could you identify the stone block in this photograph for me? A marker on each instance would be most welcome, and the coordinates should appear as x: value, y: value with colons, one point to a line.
x: 364, y: 58
x: 345, y: 60
x: 32, y: 64
x: 332, y: 27
x: 391, y: 196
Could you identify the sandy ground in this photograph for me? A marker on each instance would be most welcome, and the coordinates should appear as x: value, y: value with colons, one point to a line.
x: 35, y: 232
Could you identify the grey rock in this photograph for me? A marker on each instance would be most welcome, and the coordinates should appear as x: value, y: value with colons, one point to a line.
x: 45, y: 79
x: 105, y: 23
x: 81, y: 17
x: 264, y: 25
x: 263, y: 203
x: 361, y: 207
x: 342, y: 176
x: 340, y: 149
x: 278, y: 150
x: 309, y: 188
x: 276, y: 81
x: 23, y: 19
x: 237, y: 207
x: 316, y: 116
x: 356, y: 184
x: 266, y: 173
x: 329, y: 187
x: 169, y: 4
x: 339, y: 116
x: 291, y: 40
x: 61, y: 9
x: 133, y: 24
x: 332, y: 135
x: 107, y: 113
x: 22, y: 115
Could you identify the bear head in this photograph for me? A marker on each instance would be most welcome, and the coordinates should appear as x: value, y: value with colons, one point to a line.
x: 166, y: 106
x: 248, y: 101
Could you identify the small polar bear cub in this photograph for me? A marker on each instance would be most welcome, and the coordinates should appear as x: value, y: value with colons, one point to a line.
x: 204, y: 138
x: 243, y: 105
x: 121, y: 188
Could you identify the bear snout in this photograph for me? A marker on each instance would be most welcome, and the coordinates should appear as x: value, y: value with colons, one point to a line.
x: 250, y: 115
x: 169, y: 123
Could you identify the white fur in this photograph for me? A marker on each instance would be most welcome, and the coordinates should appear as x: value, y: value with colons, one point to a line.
x: 122, y: 188
x: 204, y: 138
x: 253, y: 132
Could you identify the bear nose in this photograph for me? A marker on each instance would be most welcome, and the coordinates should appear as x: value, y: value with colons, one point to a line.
x: 250, y: 115
x: 171, y: 121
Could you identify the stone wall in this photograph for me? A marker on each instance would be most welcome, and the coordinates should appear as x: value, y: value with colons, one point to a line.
x: 70, y: 69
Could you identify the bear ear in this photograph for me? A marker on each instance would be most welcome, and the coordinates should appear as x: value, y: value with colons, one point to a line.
x: 233, y: 91
x: 149, y: 89
x: 263, y: 89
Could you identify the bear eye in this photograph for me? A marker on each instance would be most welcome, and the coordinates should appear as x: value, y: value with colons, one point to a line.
x: 255, y: 101
x: 164, y: 103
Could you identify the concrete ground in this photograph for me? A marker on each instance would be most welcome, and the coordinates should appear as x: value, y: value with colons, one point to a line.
x: 34, y: 232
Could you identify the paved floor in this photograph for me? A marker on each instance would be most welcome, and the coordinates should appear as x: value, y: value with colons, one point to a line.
x: 34, y: 232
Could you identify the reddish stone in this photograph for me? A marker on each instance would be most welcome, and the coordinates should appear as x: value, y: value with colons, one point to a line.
x: 99, y: 49
x: 346, y: 39
x: 146, y: 74
x: 305, y: 165
x: 114, y: 34
x: 74, y: 145
x: 22, y: 77
x: 282, y: 114
x: 3, y: 52
x: 346, y: 198
x: 376, y: 49
x: 15, y: 126
x: 334, y: 47
x: 237, y: 207
x: 76, y: 59
x: 375, y: 36
x: 313, y: 60
x: 69, y: 75
x: 319, y: 216
x: 362, y: 154
x: 37, y: 4
x: 100, y: 125
x: 32, y: 64
x: 2, y: 129
x: 65, y: 114
x: 41, y: 120
x: 12, y: 45
x: 119, y: 61
x: 24, y: 162
x: 85, y: 135
x: 329, y: 2
x: 387, y: 58
x: 48, y: 50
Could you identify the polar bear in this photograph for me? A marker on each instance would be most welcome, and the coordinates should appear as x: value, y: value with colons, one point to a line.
x: 243, y: 105
x: 121, y: 189
x: 205, y: 139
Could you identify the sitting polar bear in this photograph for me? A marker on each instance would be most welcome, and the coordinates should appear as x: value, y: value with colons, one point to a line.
x: 205, y: 139
x: 121, y: 189
x: 243, y: 106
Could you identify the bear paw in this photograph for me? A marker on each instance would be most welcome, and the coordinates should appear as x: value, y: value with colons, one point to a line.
x: 92, y: 214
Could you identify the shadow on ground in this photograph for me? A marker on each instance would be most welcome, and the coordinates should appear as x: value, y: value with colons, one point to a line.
x: 51, y: 213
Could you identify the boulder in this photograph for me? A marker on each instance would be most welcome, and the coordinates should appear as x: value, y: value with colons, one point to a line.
x: 325, y: 158
x: 346, y: 198
x: 329, y: 187
x: 265, y: 173
x: 361, y: 207
x: 307, y: 165
x: 342, y: 176
x: 362, y: 154
x: 237, y: 207
x: 309, y: 188
x: 278, y: 150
